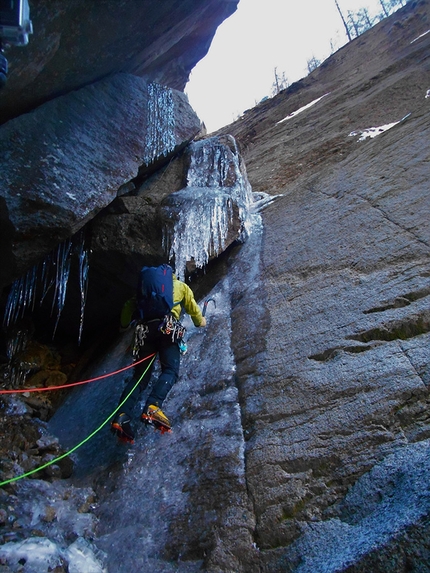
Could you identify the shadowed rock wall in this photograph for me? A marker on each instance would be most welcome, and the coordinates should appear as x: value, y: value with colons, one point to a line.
x: 76, y: 43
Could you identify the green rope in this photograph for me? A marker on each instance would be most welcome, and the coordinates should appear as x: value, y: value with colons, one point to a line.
x: 33, y: 471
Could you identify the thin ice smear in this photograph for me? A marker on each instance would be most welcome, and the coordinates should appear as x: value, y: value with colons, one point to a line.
x: 160, y: 133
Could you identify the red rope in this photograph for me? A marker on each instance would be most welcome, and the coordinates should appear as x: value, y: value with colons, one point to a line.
x: 23, y: 390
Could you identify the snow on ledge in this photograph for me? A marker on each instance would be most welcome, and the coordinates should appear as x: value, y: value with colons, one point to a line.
x: 302, y: 108
x: 372, y: 132
x: 262, y: 200
x: 425, y: 33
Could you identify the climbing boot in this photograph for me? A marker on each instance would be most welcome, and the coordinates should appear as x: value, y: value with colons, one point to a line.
x: 122, y: 428
x: 156, y: 417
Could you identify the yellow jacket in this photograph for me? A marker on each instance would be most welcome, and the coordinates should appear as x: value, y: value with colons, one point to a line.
x: 183, y: 298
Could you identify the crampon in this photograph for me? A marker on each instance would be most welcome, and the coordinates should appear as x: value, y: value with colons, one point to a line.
x: 155, y: 417
x: 122, y: 437
x: 122, y: 429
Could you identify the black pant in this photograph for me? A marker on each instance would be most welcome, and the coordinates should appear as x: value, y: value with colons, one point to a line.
x: 169, y: 355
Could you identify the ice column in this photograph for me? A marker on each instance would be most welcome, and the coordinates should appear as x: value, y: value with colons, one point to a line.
x: 160, y: 133
x: 213, y: 208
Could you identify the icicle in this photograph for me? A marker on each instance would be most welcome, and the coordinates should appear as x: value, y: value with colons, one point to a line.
x: 21, y: 296
x: 83, y: 280
x: 160, y: 133
x: 17, y: 343
x: 61, y: 278
x: 53, y: 271
x: 217, y: 195
x: 47, y: 276
x: 216, y: 165
x: 17, y: 372
x: 36, y: 283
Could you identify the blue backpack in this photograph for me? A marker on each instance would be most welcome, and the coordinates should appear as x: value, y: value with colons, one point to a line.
x: 155, y: 292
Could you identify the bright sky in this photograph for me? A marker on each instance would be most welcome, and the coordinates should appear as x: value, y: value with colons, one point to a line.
x: 238, y: 71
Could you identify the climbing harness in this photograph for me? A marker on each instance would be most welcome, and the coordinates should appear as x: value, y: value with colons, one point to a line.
x: 169, y: 326
x: 108, y: 419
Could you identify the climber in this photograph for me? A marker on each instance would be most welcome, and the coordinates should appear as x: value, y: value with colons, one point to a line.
x: 157, y: 330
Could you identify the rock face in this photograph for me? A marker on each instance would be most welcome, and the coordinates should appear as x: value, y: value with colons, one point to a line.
x: 67, y: 160
x: 301, y: 428
x: 339, y: 383
x: 76, y: 43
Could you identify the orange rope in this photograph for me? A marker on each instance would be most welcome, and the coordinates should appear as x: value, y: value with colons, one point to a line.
x: 23, y: 390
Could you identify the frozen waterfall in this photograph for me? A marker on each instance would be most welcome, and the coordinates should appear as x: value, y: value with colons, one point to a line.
x: 213, y: 210
x: 167, y: 493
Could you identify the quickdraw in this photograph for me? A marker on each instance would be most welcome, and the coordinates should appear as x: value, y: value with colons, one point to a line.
x: 140, y: 333
x: 169, y: 326
x: 173, y: 327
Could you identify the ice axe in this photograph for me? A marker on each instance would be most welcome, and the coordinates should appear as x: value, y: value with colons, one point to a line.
x: 205, y: 305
